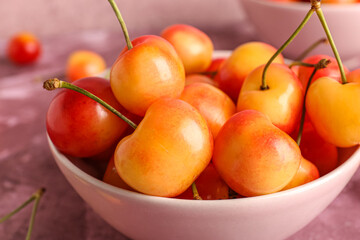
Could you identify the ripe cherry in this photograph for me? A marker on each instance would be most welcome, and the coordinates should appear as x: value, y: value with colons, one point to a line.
x: 83, y: 63
x: 81, y: 127
x: 24, y: 48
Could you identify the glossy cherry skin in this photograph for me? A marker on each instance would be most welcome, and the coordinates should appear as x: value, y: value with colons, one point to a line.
x: 331, y: 70
x: 214, y: 67
x: 213, y: 104
x: 194, y: 78
x: 112, y: 177
x: 253, y: 156
x: 210, y: 186
x: 315, y: 149
x: 24, y: 48
x: 334, y: 111
x: 354, y: 76
x: 80, y: 127
x: 307, y: 172
x: 282, y: 102
x: 240, y: 63
x: 150, y: 70
x: 168, y: 150
x: 84, y: 63
x: 194, y: 47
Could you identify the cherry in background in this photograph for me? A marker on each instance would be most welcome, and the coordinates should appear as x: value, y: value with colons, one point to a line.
x: 241, y: 62
x: 194, y: 47
x: 331, y: 70
x: 194, y: 78
x: 209, y: 185
x: 24, y: 48
x: 307, y: 172
x: 214, y: 67
x: 315, y: 149
x: 83, y: 63
x: 112, y: 177
x: 212, y: 103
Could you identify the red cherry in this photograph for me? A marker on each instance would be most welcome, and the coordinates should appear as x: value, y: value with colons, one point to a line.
x: 24, y: 48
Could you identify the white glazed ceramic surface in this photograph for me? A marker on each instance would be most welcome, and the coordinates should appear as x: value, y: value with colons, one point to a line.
x: 274, y: 22
x: 273, y: 216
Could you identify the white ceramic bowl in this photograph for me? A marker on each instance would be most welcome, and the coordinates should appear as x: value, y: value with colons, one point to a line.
x: 274, y: 22
x: 139, y: 216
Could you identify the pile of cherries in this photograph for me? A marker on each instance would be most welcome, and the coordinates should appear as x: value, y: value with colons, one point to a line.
x: 178, y: 123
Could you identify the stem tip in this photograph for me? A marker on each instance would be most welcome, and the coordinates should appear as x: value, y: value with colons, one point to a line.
x: 51, y: 84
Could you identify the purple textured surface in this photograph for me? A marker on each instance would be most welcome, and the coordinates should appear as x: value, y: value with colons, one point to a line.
x: 26, y: 163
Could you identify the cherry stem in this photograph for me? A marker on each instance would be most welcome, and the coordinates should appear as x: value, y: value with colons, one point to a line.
x: 311, y: 47
x: 321, y: 64
x: 316, y: 6
x: 196, y: 195
x: 35, y: 196
x: 55, y: 83
x: 211, y: 73
x: 298, y: 63
x: 264, y: 86
x: 122, y: 23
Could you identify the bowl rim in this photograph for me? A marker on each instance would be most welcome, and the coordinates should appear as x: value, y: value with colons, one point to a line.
x: 353, y: 160
x: 305, y: 6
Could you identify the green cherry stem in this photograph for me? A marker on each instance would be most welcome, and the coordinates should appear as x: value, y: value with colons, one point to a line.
x: 196, y: 195
x: 35, y: 196
x: 316, y: 5
x: 310, y: 48
x: 321, y: 64
x: 264, y: 85
x: 211, y: 73
x: 55, y: 83
x: 298, y: 63
x: 122, y: 23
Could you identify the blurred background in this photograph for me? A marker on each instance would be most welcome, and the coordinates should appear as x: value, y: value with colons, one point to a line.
x: 65, y: 26
x: 53, y: 18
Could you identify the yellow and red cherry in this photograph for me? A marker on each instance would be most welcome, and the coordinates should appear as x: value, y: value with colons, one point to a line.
x: 84, y: 63
x: 212, y: 103
x: 145, y: 73
x: 194, y: 47
x: 112, y: 177
x: 331, y: 70
x: 333, y: 108
x: 79, y: 126
x: 214, y: 67
x: 209, y: 185
x: 195, y: 78
x: 322, y: 154
x: 281, y: 102
x: 353, y: 76
x: 24, y: 48
x: 241, y: 62
x: 167, y: 151
x: 253, y: 156
x: 306, y: 173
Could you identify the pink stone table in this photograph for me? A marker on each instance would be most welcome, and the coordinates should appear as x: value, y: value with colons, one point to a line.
x: 26, y: 163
